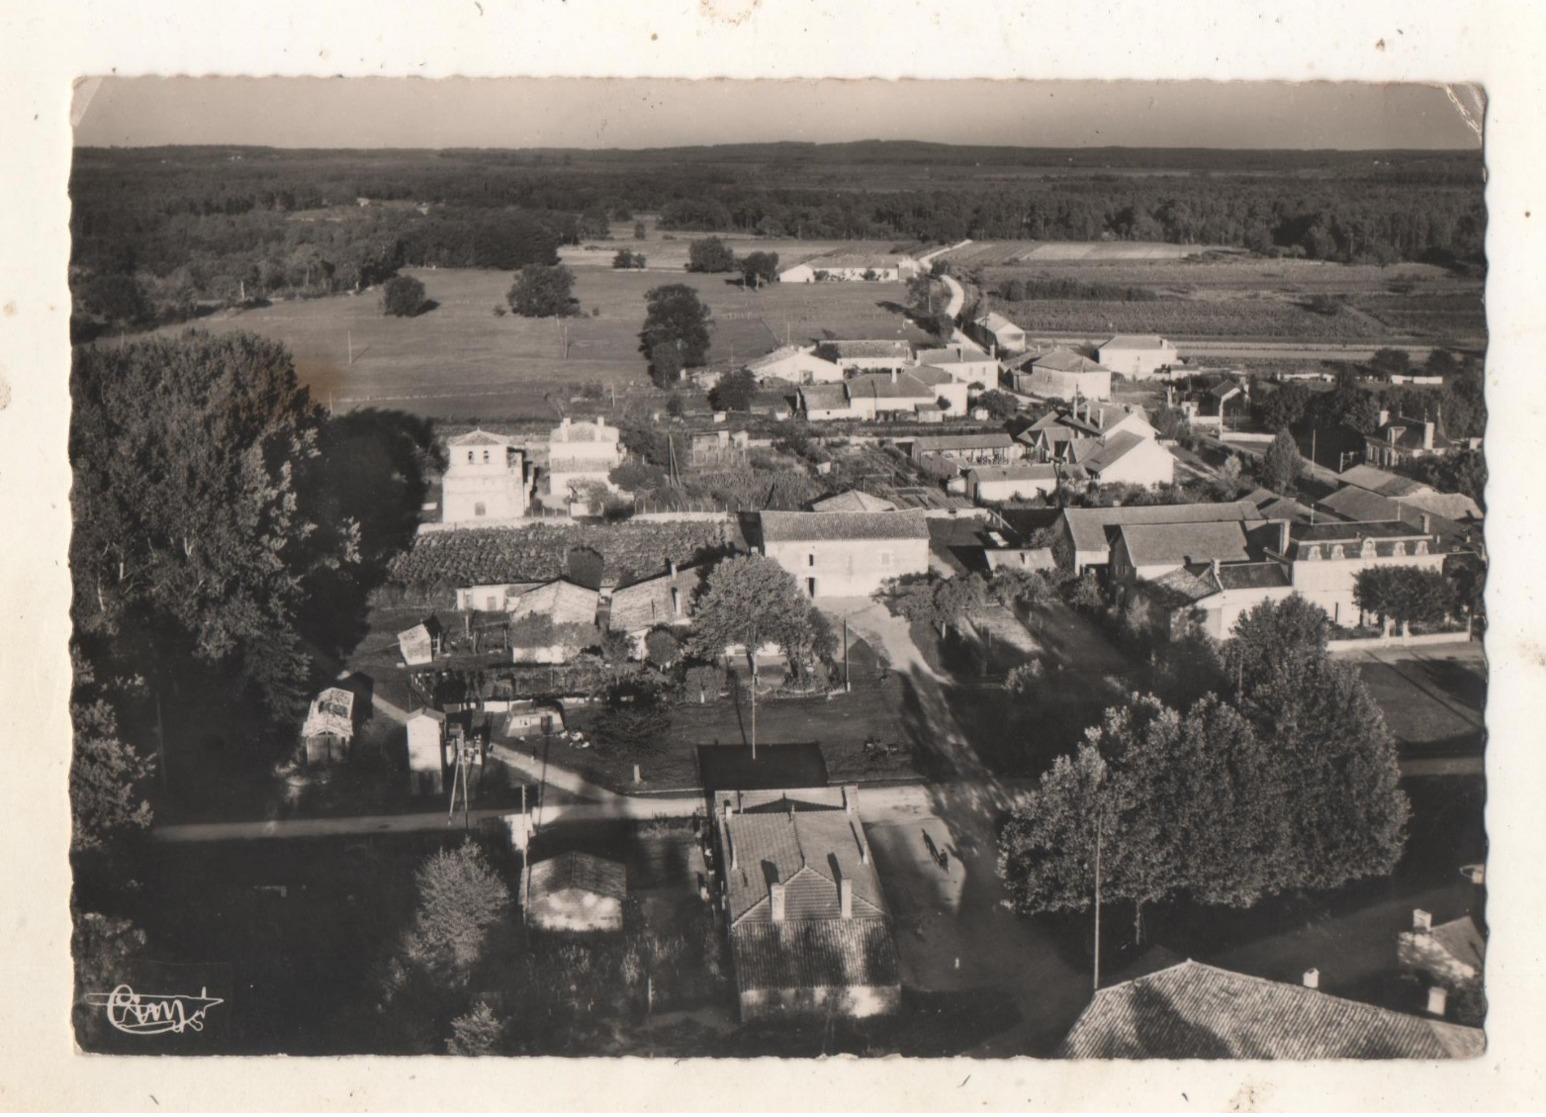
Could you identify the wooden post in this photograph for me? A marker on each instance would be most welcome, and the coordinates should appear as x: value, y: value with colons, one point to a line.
x: 847, y: 687
x: 1097, y: 897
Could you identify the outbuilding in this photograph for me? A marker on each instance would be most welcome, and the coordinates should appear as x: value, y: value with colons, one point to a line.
x: 575, y: 892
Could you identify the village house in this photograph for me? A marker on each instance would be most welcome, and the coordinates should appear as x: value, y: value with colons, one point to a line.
x: 491, y: 598
x: 419, y: 644
x: 888, y: 395
x: 1325, y: 559
x: 852, y: 268
x: 1398, y: 441
x: 951, y: 395
x: 797, y: 365
x: 663, y: 601
x: 867, y: 355
x: 827, y: 403
x: 991, y: 484
x: 329, y: 727
x: 1058, y: 374
x: 1090, y: 532
x: 486, y: 479
x: 574, y: 892
x: 963, y: 363
x: 1053, y: 436
x: 426, y: 752
x: 579, y: 455
x: 998, y: 333
x: 844, y: 554
x: 1138, y: 356
x: 1190, y: 1011
x: 1445, y: 961
x: 809, y: 929
x: 1125, y: 458
x: 560, y: 622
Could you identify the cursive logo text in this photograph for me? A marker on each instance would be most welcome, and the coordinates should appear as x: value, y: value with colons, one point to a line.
x: 151, y: 1014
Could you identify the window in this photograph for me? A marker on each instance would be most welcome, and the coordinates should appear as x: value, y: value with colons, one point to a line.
x: 479, y: 510
x: 485, y: 457
x: 810, y: 559
x: 885, y: 560
x: 469, y: 455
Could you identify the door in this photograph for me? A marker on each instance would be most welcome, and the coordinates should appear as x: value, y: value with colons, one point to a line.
x: 810, y: 586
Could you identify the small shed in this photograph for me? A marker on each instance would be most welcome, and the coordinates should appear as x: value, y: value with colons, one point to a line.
x: 329, y: 727
x: 426, y: 752
x: 532, y: 719
x: 418, y: 643
x: 574, y: 892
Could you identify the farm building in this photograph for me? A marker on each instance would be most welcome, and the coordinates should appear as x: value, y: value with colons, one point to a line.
x: 854, y: 501
x: 946, y: 388
x: 810, y: 933
x: 1399, y: 440
x: 844, y: 554
x: 977, y: 448
x: 1125, y: 458
x: 664, y: 600
x: 485, y: 480
x: 866, y: 355
x: 533, y: 719
x: 419, y: 643
x: 826, y: 402
x: 329, y: 727
x: 493, y: 598
x: 1056, y: 435
x: 580, y: 454
x: 426, y: 752
x: 989, y: 484
x: 1138, y: 356
x: 994, y: 330
x: 1059, y: 374
x: 881, y: 269
x: 553, y: 623
x: 963, y: 363
x: 1191, y: 1011
x: 575, y: 892
x: 797, y: 365
x: 888, y: 395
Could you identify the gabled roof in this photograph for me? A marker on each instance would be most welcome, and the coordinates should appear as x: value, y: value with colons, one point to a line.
x: 955, y: 356
x: 1182, y: 544
x: 1066, y: 360
x: 1186, y: 585
x: 332, y: 711
x: 832, y: 263
x: 930, y: 375
x: 879, y: 385
x: 824, y: 397
x: 1225, y: 388
x: 645, y: 604
x: 1380, y: 481
x: 1197, y: 1011
x: 1276, y: 507
x: 579, y: 872
x: 1134, y: 341
x: 995, y: 322
x: 426, y: 712
x: 1019, y: 471
x: 853, y: 500
x: 1087, y: 526
x: 561, y: 600
x: 807, y: 851
x: 1111, y: 451
x: 1352, y: 503
x: 980, y: 440
x: 1252, y: 576
x: 1408, y: 433
x: 871, y: 348
x: 479, y: 437
x: 789, y: 527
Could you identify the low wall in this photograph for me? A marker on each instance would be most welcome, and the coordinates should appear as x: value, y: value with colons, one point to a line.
x: 1396, y: 640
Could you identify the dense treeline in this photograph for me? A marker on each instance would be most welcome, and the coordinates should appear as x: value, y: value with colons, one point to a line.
x: 195, y: 225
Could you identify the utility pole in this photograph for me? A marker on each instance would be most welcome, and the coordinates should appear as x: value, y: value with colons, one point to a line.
x: 846, y: 687
x: 752, y: 654
x: 350, y: 334
x: 1096, y: 987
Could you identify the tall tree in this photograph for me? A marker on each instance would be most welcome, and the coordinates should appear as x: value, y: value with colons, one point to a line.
x: 108, y: 778
x: 402, y: 297
x: 541, y: 291
x: 748, y: 600
x: 1282, y: 466
x: 758, y: 268
x: 1046, y: 851
x: 735, y: 391
x: 676, y: 331
x: 191, y: 538
x: 710, y: 255
x: 461, y: 899
x: 1404, y: 594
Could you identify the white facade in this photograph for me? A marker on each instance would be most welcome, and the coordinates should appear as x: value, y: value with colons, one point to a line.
x: 797, y: 366
x: 581, y: 454
x: 1139, y: 356
x: 426, y: 758
x: 485, y: 479
x: 1145, y: 463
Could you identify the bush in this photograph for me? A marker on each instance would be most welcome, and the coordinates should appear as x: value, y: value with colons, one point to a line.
x: 402, y: 297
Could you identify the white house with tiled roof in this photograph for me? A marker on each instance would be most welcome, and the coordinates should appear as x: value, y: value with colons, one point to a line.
x: 1059, y: 374
x: 1138, y: 356
x: 963, y: 363
x: 809, y: 929
x: 485, y: 479
x: 844, y: 554
x: 797, y: 365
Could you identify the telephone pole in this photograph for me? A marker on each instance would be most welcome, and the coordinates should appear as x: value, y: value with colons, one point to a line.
x: 1096, y: 987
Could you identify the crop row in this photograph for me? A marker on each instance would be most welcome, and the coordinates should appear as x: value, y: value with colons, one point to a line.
x: 1187, y: 318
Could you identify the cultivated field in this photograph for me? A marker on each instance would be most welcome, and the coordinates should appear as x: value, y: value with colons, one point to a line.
x: 1002, y: 253
x: 667, y: 250
x: 460, y: 360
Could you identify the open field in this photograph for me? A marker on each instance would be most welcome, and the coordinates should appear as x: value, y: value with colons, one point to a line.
x: 460, y: 360
x: 667, y: 251
x: 1001, y: 253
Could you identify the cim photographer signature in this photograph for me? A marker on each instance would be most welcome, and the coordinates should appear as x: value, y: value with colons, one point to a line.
x: 150, y: 1014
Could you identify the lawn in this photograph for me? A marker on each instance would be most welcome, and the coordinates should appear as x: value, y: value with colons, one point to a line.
x: 1433, y: 704
x: 461, y: 360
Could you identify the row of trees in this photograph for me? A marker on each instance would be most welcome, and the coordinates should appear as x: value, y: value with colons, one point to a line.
x: 1280, y: 777
x: 712, y: 255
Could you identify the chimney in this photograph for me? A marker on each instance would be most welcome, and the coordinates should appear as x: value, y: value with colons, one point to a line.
x: 845, y: 897
x: 1422, y: 921
x: 893, y: 376
x: 1438, y: 1000
x: 1427, y: 434
x: 1427, y: 522
x: 1214, y: 564
x: 776, y: 901
x: 1312, y: 978
x: 671, y: 566
x: 1384, y: 416
x: 1100, y: 418
x: 1283, y: 537
x: 993, y: 349
x: 676, y: 602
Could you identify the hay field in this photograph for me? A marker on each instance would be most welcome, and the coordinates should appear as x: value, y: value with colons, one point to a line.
x: 461, y: 361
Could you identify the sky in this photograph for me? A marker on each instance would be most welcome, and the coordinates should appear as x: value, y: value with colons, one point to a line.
x: 592, y: 113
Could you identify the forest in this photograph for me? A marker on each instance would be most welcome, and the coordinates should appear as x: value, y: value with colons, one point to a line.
x: 162, y: 233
